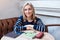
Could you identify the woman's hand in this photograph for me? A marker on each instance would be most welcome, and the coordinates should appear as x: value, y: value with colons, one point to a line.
x: 29, y: 28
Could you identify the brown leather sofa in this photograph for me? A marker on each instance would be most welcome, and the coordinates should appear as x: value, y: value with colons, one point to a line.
x: 6, y: 25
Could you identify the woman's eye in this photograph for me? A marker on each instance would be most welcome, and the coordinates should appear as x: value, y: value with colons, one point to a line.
x: 25, y: 9
x: 29, y: 8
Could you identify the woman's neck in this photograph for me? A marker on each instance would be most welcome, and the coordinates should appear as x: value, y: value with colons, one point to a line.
x: 29, y: 19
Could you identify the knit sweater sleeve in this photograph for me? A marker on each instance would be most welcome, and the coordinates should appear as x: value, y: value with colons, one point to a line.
x: 18, y: 27
x: 39, y: 25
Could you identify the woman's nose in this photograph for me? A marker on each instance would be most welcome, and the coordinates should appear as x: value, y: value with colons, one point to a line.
x: 27, y: 11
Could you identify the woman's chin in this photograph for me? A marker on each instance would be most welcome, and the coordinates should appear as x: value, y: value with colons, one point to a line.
x: 28, y: 16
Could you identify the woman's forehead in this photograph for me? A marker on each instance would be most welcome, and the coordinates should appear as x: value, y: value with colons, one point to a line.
x: 28, y: 6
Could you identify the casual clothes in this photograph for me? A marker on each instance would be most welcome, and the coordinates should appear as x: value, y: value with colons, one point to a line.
x: 20, y: 25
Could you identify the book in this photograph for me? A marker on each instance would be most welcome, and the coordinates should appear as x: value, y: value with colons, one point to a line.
x: 29, y: 34
x: 13, y: 34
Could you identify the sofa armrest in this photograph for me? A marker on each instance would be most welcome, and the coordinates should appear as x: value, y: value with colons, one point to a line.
x: 46, y: 26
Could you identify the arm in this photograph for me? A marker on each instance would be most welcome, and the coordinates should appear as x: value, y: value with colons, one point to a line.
x: 18, y: 27
x: 39, y: 26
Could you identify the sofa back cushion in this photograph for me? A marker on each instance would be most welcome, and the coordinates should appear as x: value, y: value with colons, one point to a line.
x: 6, y: 25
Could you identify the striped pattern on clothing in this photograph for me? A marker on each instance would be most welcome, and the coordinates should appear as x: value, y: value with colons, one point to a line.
x: 20, y: 25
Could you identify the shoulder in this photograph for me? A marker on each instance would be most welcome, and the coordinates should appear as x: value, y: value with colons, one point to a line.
x: 38, y: 19
x: 21, y: 17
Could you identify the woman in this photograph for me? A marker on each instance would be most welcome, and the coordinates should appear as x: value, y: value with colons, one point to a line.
x: 28, y: 18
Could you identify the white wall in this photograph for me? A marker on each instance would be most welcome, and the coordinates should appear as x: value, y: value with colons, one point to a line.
x: 52, y: 4
x: 9, y: 8
x: 49, y: 20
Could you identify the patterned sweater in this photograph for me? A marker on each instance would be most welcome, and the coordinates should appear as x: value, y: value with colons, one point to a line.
x: 20, y: 25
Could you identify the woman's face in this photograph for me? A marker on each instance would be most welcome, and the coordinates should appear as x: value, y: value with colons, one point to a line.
x: 28, y: 11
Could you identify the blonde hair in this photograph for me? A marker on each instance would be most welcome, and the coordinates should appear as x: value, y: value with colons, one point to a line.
x: 33, y: 14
